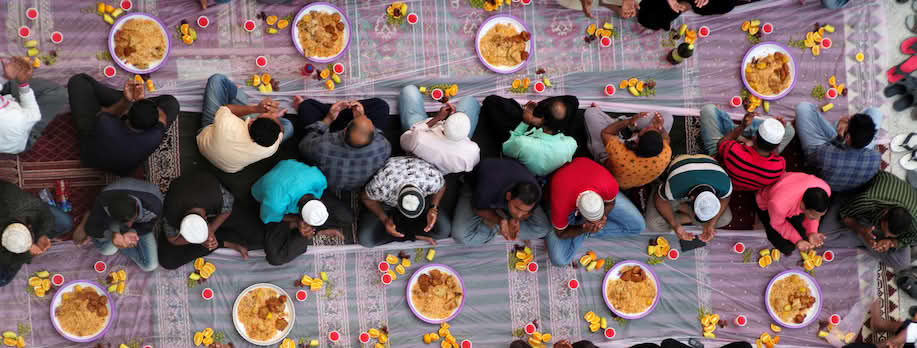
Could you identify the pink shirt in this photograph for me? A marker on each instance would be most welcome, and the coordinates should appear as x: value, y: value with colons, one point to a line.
x: 782, y: 198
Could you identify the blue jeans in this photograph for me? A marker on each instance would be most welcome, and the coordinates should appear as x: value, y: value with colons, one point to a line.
x: 814, y: 130
x: 221, y: 91
x: 470, y: 229
x: 715, y: 123
x: 624, y: 220
x: 410, y: 107
x: 144, y: 254
x: 372, y: 233
x: 63, y: 223
x: 834, y: 4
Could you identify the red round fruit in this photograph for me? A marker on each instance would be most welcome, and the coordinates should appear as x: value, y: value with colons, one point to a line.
x: 31, y: 13
x: 466, y: 344
x: 334, y: 336
x: 829, y: 256
x: 609, y: 333
x: 261, y: 61
x: 338, y: 68
x: 703, y: 31
x: 741, y: 321
x: 57, y: 279
x: 437, y: 94
x: 203, y: 21
x: 835, y: 319
x: 826, y: 43
x: 386, y: 279
x: 207, y: 293
x: 249, y: 25
x: 412, y: 18
x: 148, y: 346
x: 573, y: 283
x: 831, y: 93
x: 364, y: 337
x: 539, y: 87
x: 533, y: 267
x: 529, y: 329
x: 673, y: 254
x: 735, y: 101
x: 767, y: 28
x: 383, y: 266
x: 739, y: 247
x: 100, y: 266
x: 302, y: 295
x: 25, y: 31
x: 526, y: 2
x: 606, y: 41
x: 126, y: 5
x: 609, y: 90
x: 57, y: 37
x: 109, y: 71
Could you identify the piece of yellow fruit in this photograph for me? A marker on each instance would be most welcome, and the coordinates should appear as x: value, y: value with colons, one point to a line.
x: 808, y: 265
x: 283, y: 23
x: 848, y: 339
x: 108, y: 19
x: 755, y: 22
x: 122, y: 275
x: 818, y: 261
x: 383, y: 338
x: 590, y: 30
x: 623, y: 84
x: 426, y: 338
x: 272, y: 30
x: 775, y: 328
x: 109, y: 8
x: 526, y: 82
x: 329, y: 85
x: 20, y: 342
x: 632, y: 82
x: 775, y: 254
x: 100, y: 7
x: 753, y: 30
x: 589, y: 316
x: 832, y: 81
x: 828, y: 27
x: 816, y: 50
x: 399, y: 269
x: 821, y: 32
x: 266, y: 78
x: 817, y: 37
x: 765, y: 252
x: 593, y: 327
x: 840, y: 88
x: 591, y: 266
x: 431, y: 254
x: 633, y: 91
x: 517, y: 83
x: 709, y: 328
x: 764, y: 261
x: 827, y: 107
x: 860, y: 57
x: 256, y: 81
x: 445, y: 344
x: 323, y: 275
x: 709, y: 335
x: 444, y: 332
x: 34, y: 281
x: 639, y: 86
x: 198, y: 338
x: 117, y: 12
x: 434, y: 336
x: 324, y: 75
x: 822, y: 334
x: 305, y: 280
x: 32, y: 52
x: 207, y: 341
x: 746, y: 25
x: 121, y: 288
x: 271, y: 20
x: 313, y: 343
x: 374, y: 333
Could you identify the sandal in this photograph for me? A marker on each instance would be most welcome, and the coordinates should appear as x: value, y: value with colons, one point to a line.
x: 906, y: 85
x: 904, y: 142
x: 909, y: 162
x: 909, y: 45
x: 900, y: 71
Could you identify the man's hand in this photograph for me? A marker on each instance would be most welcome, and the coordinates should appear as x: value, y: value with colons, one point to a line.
x: 133, y: 90
x: 528, y: 114
x: 306, y: 230
x: 677, y: 6
x: 431, y: 218
x: 336, y: 109
x: 445, y: 111
x: 842, y: 126
x: 803, y: 245
x: 18, y: 69
x: 267, y: 105
x: 42, y: 245
x: 587, y: 8
x: 883, y: 245
x: 391, y: 229
x: 748, y: 119
x: 681, y: 233
x: 357, y: 108
x: 629, y: 8
x: 817, y: 239
x: 427, y: 239
x: 332, y: 232
x: 509, y: 229
x: 632, y: 122
x: 709, y: 232
x: 701, y: 3
x: 211, y: 242
x: 275, y: 114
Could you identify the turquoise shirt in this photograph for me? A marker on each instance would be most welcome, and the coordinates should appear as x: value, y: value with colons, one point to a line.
x: 281, y: 188
x: 540, y: 152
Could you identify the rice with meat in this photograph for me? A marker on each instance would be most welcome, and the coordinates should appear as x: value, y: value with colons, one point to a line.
x: 263, y: 313
x: 140, y: 42
x: 634, y: 292
x: 82, y: 312
x: 436, y: 295
x: 321, y: 34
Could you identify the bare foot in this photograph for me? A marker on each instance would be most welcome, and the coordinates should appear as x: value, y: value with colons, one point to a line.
x: 587, y: 8
x: 296, y: 101
x: 237, y: 247
x: 79, y: 233
x: 332, y: 232
x: 203, y: 4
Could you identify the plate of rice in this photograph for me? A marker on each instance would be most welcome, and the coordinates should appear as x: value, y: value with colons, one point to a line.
x: 631, y: 289
x: 793, y: 299
x: 321, y: 32
x: 139, y: 43
x: 768, y: 71
x: 503, y: 44
x: 263, y: 314
x: 436, y: 293
x: 82, y: 311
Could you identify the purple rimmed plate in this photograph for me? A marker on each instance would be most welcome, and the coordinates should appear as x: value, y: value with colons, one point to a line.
x: 762, y: 50
x: 130, y: 67
x: 68, y: 287
x: 490, y: 23
x: 613, y: 274
x: 289, y: 309
x: 424, y: 270
x: 813, y: 287
x: 322, y: 7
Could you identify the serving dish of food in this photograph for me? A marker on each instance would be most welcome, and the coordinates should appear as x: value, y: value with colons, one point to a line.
x: 81, y: 311
x: 793, y: 299
x: 503, y: 44
x: 263, y: 314
x: 631, y: 289
x: 436, y: 293
x: 768, y: 71
x: 139, y: 43
x: 321, y: 32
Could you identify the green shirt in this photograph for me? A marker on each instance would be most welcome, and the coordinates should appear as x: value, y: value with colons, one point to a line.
x: 540, y: 152
x: 884, y: 191
x: 688, y: 171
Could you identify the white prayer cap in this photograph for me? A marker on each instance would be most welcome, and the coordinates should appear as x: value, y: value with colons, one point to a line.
x: 17, y: 238
x: 457, y: 126
x: 411, y: 202
x: 706, y: 206
x: 314, y: 213
x: 771, y: 131
x: 194, y: 229
x: 590, y: 205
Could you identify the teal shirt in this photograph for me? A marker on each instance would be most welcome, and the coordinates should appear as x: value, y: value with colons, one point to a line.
x: 281, y: 188
x: 540, y: 152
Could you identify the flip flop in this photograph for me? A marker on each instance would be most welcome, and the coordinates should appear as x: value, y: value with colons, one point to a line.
x: 898, y: 72
x: 904, y: 86
x: 904, y: 142
x: 909, y: 45
x: 904, y: 102
x: 909, y: 162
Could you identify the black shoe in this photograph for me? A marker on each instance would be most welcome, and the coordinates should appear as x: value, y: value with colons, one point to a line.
x: 904, y: 102
x: 906, y: 85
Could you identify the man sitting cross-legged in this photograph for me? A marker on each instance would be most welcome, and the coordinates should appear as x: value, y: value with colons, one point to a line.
x: 443, y: 140
x: 344, y: 140
x: 500, y: 195
x: 749, y: 152
x: 28, y: 224
x: 585, y: 203
x: 633, y: 163
x: 27, y: 105
x: 695, y: 189
x: 234, y: 134
x: 791, y: 209
x: 118, y: 130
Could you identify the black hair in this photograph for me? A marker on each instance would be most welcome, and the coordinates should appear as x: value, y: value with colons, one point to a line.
x: 763, y: 145
x: 526, y: 192
x: 815, y: 198
x: 862, y: 129
x: 264, y: 131
x: 121, y: 206
x: 558, y: 125
x: 348, y: 136
x: 520, y: 344
x: 143, y: 115
x: 899, y: 220
x: 584, y: 344
x: 649, y: 144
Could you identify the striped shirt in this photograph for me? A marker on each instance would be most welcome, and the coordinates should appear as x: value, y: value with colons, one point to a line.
x: 884, y: 191
x: 748, y: 169
x: 688, y: 171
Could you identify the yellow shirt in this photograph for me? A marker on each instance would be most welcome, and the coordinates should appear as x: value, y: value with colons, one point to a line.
x: 227, y: 144
x: 631, y: 170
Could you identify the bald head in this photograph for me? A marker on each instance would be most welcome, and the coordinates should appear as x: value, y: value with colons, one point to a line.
x: 558, y: 110
x: 360, y: 131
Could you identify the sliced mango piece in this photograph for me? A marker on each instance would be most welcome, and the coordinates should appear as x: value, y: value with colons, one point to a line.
x: 590, y: 30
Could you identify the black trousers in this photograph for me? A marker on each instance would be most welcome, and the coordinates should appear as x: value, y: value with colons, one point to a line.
x: 243, y: 227
x: 311, y: 111
x: 670, y: 343
x: 786, y: 247
x: 500, y: 115
x: 282, y: 244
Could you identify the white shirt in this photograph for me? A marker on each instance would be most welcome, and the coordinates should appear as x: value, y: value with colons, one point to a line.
x: 431, y: 145
x: 227, y: 144
x: 17, y: 119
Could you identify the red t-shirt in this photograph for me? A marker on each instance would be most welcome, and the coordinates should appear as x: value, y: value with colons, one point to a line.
x: 580, y: 175
x: 749, y: 170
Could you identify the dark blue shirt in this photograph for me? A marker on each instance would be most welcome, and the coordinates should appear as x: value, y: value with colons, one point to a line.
x: 118, y: 149
x: 493, y: 177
